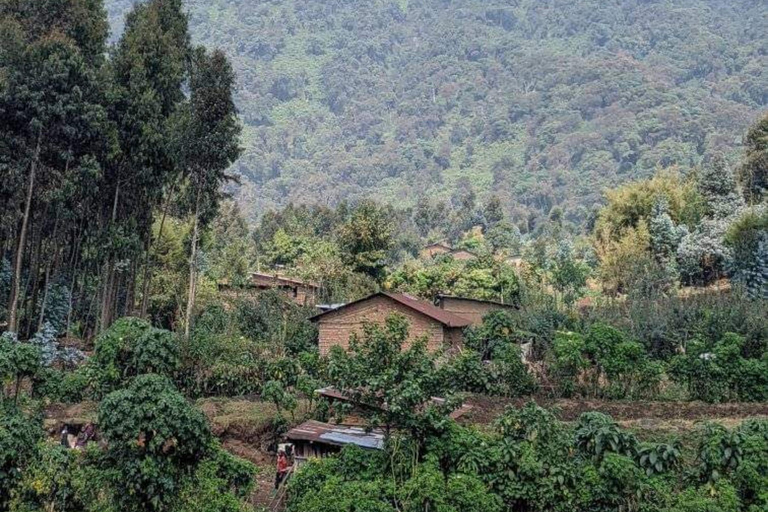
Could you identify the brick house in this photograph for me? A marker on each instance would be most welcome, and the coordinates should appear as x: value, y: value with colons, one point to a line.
x: 473, y: 310
x: 302, y: 293
x: 442, y: 328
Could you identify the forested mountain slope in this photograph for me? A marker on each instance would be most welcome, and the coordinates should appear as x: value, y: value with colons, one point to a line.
x: 543, y: 102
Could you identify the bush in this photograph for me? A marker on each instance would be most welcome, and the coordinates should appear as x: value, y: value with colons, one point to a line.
x: 19, y: 436
x: 132, y: 347
x: 718, y: 372
x: 62, y: 386
x: 155, y: 438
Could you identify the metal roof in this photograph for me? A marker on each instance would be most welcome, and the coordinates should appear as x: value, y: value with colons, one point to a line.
x: 421, y: 306
x: 282, y: 279
x: 337, y: 435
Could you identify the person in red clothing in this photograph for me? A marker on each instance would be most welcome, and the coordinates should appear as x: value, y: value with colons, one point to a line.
x: 282, y: 468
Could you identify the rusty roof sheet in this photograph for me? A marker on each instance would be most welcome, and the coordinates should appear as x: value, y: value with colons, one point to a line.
x: 337, y: 435
x: 421, y: 306
x: 282, y: 279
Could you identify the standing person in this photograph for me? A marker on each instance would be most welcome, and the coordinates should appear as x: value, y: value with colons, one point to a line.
x: 282, y: 468
x: 65, y: 437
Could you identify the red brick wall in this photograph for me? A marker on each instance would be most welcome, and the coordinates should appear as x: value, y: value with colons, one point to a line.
x: 335, y: 329
x: 471, y: 310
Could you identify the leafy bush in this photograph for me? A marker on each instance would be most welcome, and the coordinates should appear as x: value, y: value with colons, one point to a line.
x: 132, y: 347
x: 155, y: 438
x: 18, y: 361
x: 19, y: 435
x: 718, y: 372
x: 598, y: 435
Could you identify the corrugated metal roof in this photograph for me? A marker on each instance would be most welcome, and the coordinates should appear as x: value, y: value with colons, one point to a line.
x: 283, y: 279
x: 421, y: 306
x: 337, y: 435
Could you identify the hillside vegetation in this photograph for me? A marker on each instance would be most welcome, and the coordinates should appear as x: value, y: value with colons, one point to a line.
x: 542, y: 102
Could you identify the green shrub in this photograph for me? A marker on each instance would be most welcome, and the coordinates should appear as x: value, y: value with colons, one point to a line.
x: 155, y: 438
x: 19, y: 437
x: 132, y: 347
x: 718, y: 372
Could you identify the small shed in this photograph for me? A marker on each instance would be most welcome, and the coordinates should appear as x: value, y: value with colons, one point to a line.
x: 303, y: 293
x: 473, y: 310
x: 441, y: 327
x: 317, y: 439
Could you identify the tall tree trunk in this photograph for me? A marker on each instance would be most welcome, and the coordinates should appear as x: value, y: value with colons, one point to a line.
x: 47, y: 279
x: 192, y: 271
x: 105, y: 315
x: 13, y: 319
x: 148, y: 262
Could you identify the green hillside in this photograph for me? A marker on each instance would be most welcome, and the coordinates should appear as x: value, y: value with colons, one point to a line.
x: 543, y: 102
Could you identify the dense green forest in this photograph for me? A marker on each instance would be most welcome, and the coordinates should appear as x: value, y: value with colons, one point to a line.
x: 142, y: 371
x: 542, y: 102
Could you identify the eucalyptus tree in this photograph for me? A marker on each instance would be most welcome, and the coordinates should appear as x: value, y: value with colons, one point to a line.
x: 206, y: 143
x: 148, y: 69
x: 54, y: 125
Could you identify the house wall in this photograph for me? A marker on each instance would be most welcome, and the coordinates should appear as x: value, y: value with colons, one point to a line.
x: 432, y: 251
x: 335, y: 329
x: 454, y: 338
x: 462, y: 255
x: 473, y: 311
x: 301, y: 294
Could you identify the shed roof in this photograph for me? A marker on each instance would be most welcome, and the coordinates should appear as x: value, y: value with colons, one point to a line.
x: 421, y: 306
x: 284, y: 280
x: 336, y: 435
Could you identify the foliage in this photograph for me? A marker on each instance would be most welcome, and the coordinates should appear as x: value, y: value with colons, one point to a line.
x: 753, y: 173
x: 129, y: 348
x: 717, y: 372
x: 393, y: 382
x: 602, y: 362
x: 569, y: 276
x: 748, y: 239
x: 481, y: 278
x: 155, y: 438
x: 365, y: 238
x: 536, y: 104
x: 19, y: 435
x: 18, y: 361
x: 598, y: 435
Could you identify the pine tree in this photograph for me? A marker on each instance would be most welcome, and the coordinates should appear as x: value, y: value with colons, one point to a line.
x: 664, y: 237
x: 718, y: 187
x: 748, y: 239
